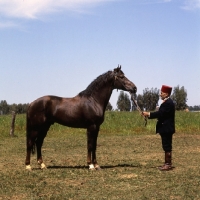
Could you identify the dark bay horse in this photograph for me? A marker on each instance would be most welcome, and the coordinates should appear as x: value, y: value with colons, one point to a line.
x: 86, y: 110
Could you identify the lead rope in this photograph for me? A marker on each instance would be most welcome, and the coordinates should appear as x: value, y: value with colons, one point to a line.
x: 138, y: 108
x: 134, y: 101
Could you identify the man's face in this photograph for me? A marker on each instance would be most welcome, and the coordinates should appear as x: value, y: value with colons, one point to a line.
x: 163, y: 95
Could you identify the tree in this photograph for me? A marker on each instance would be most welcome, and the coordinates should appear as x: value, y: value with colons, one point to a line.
x: 140, y: 101
x: 109, y: 106
x: 180, y: 97
x: 150, y: 98
x: 18, y: 108
x: 4, y: 107
x: 194, y: 108
x: 13, y: 107
x: 123, y: 102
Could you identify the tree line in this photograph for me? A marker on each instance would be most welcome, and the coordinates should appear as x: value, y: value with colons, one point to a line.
x: 146, y: 101
x: 5, y: 108
x: 194, y: 108
x: 149, y: 100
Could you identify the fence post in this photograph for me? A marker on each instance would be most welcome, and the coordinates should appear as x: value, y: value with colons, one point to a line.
x: 13, y: 124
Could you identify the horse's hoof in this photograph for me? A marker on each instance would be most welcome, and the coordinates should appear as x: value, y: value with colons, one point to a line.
x: 97, y: 167
x: 94, y: 167
x: 43, y: 166
x: 28, y: 167
x: 91, y: 167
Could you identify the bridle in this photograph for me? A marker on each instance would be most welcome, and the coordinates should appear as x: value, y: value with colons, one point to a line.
x: 116, y: 77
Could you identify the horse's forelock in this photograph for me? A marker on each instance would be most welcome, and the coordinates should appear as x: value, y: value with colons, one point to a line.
x: 118, y: 71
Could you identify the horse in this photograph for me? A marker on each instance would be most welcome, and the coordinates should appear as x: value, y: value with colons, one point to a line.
x: 85, y: 110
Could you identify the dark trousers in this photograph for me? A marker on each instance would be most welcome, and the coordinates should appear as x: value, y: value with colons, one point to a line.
x: 166, y: 141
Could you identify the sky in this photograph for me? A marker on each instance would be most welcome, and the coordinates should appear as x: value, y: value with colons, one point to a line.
x: 59, y: 47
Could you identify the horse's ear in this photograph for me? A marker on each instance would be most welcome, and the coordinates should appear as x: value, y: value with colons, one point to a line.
x: 120, y: 67
x: 116, y: 70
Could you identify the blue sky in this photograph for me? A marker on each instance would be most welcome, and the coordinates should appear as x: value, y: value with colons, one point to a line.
x: 59, y: 47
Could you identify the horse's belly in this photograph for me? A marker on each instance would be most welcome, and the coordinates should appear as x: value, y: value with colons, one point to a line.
x: 72, y: 122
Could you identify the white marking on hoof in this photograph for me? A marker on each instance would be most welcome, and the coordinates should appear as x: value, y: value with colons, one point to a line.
x: 43, y: 166
x: 28, y: 167
x: 91, y: 167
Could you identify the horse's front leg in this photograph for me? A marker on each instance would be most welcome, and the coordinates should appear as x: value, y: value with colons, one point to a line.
x: 39, y: 143
x: 91, y: 147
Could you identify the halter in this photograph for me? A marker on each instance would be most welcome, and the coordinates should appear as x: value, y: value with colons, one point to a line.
x: 116, y: 77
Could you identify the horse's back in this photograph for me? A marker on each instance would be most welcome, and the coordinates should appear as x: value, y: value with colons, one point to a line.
x: 41, y: 103
x: 40, y: 108
x: 52, y: 108
x: 78, y: 112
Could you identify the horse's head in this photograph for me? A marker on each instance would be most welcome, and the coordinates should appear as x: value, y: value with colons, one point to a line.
x: 121, y: 82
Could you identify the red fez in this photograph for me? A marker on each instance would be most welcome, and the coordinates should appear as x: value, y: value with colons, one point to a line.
x: 166, y: 89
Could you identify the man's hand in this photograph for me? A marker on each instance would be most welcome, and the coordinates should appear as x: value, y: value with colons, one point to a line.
x: 146, y: 114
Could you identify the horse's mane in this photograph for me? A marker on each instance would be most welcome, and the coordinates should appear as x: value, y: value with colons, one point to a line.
x: 96, y: 84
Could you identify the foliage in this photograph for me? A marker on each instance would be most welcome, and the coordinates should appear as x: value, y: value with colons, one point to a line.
x: 109, y: 106
x: 194, y: 108
x: 149, y: 99
x: 127, y: 151
x: 140, y: 101
x: 6, y: 108
x: 123, y: 102
x: 180, y: 97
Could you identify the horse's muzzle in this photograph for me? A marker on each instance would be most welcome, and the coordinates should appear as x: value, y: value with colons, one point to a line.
x: 133, y: 90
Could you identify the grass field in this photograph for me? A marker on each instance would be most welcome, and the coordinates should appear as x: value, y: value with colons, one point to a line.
x: 127, y: 151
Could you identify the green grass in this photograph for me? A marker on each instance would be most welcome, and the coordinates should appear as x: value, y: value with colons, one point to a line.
x: 127, y: 151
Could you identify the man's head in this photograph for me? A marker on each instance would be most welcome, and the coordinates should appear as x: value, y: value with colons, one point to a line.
x: 165, y: 91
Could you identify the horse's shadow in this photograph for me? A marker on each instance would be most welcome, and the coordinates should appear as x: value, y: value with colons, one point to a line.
x: 86, y: 167
x: 102, y: 167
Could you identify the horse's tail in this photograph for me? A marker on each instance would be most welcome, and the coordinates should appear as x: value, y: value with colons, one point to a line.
x: 28, y: 134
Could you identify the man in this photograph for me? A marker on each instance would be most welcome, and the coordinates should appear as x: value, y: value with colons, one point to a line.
x: 165, y: 125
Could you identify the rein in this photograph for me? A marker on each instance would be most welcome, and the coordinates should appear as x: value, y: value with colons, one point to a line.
x: 134, y: 101
x: 138, y: 108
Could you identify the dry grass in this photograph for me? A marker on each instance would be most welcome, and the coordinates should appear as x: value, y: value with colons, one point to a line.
x: 128, y: 169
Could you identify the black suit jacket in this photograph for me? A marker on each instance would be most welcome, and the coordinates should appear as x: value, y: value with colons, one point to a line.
x: 165, y: 116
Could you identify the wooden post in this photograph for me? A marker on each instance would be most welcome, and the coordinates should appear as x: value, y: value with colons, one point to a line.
x: 13, y: 124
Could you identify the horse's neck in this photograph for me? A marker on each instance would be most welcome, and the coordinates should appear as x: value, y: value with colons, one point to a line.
x: 103, y: 95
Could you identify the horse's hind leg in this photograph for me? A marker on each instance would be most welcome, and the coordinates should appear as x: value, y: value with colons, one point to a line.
x: 28, y: 158
x: 30, y: 144
x: 39, y: 143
